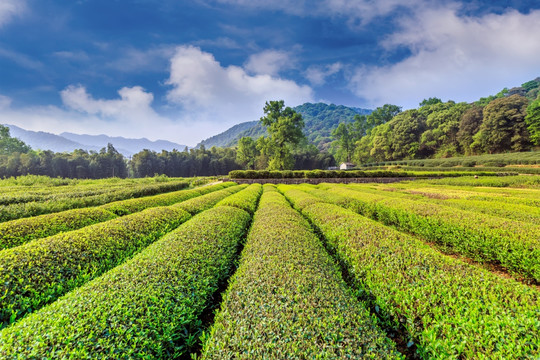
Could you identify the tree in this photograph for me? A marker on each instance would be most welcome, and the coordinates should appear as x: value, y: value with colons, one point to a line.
x: 285, y: 128
x: 533, y: 121
x: 9, y: 145
x: 430, y: 101
x: 247, y: 152
x: 469, y: 125
x: 504, y: 126
x: 345, y: 141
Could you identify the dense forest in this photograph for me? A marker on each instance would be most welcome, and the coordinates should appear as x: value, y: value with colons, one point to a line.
x: 313, y: 136
x: 506, y: 122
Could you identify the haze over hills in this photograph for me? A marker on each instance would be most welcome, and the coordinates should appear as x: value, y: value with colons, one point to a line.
x: 320, y: 119
x: 67, y: 142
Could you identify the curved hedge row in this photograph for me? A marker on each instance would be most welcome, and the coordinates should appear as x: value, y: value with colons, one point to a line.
x: 16, y: 211
x: 205, y: 202
x: 17, y: 232
x: 513, y: 244
x: 245, y: 199
x: 147, y: 308
x: 131, y: 206
x: 20, y: 231
x: 449, y: 308
x: 38, y: 272
x: 287, y: 299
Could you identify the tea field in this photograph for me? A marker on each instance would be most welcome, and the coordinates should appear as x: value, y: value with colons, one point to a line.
x: 180, y: 269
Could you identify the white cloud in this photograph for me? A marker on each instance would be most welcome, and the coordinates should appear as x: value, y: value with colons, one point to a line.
x: 133, y: 101
x: 212, y: 98
x: 5, y: 102
x: 452, y: 57
x: 153, y: 59
x: 10, y: 9
x: 269, y: 62
x: 356, y: 11
x: 21, y: 59
x: 228, y: 95
x: 317, y: 75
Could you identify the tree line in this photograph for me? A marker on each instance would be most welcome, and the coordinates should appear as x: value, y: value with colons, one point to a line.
x: 506, y: 122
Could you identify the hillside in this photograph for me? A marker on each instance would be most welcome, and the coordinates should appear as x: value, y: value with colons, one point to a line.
x: 320, y: 119
x: 67, y: 142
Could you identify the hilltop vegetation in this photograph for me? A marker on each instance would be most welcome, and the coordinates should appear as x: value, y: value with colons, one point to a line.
x: 320, y: 119
x: 506, y: 122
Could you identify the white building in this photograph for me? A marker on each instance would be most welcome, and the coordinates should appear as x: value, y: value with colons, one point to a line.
x: 346, y: 166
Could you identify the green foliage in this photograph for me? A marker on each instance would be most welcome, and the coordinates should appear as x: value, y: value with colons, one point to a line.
x: 513, y: 244
x: 285, y: 128
x: 131, y: 206
x: 37, y: 273
x: 345, y: 140
x: 246, y: 199
x: 430, y: 101
x: 149, y: 307
x: 285, y: 281
x: 330, y: 174
x: 205, y: 202
x: 20, y: 231
x: 247, y: 152
x: 532, y: 119
x: 504, y: 125
x: 449, y: 309
x: 9, y: 145
x: 39, y: 200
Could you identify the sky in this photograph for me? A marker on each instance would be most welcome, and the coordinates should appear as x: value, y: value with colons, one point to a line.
x: 186, y: 70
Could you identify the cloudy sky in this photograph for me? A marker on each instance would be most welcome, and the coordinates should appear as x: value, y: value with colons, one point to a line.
x: 186, y: 70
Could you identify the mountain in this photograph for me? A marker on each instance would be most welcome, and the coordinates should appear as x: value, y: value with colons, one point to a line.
x: 229, y: 136
x: 131, y: 146
x: 320, y: 119
x: 46, y: 141
x: 67, y: 142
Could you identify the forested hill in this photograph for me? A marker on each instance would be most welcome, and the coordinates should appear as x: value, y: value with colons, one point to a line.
x: 320, y: 120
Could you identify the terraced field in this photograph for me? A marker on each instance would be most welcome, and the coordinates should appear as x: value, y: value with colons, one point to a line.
x: 414, y: 270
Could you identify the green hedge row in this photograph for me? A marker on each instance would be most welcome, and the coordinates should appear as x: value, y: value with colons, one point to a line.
x: 496, y: 204
x: 147, y: 308
x: 57, y: 204
x: 513, y: 244
x: 246, y: 199
x: 37, y: 273
x: 326, y: 174
x: 205, y: 202
x: 20, y: 231
x: 131, y: 206
x: 523, y: 181
x: 287, y: 299
x: 523, y: 158
x: 450, y: 309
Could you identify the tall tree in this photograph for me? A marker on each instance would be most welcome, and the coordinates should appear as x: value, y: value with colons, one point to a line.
x: 345, y: 141
x: 285, y: 128
x: 469, y: 125
x: 504, y: 126
x: 247, y: 152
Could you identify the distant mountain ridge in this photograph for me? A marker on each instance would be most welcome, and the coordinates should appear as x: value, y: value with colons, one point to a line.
x: 68, y: 142
x: 320, y: 119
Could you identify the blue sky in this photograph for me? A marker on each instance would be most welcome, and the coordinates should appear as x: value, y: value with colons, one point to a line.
x: 186, y: 70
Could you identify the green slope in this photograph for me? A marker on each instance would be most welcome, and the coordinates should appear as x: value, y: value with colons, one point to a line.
x: 320, y: 120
